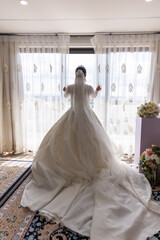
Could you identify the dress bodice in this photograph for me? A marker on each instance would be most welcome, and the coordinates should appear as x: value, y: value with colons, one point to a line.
x: 80, y: 94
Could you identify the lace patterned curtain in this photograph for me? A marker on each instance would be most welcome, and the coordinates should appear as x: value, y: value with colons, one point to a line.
x: 44, y: 76
x: 154, y: 92
x: 11, y: 96
x: 123, y: 64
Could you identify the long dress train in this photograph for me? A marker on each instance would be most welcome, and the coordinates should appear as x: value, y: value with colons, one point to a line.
x: 79, y: 181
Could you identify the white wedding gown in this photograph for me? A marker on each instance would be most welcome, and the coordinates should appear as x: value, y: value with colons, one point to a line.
x: 79, y: 181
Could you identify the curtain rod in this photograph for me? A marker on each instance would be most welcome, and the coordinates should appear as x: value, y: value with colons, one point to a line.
x: 78, y: 34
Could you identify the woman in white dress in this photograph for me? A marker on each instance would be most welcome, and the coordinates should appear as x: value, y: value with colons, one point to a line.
x: 79, y: 181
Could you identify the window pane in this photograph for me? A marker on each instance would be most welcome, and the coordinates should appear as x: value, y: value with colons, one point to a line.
x: 42, y: 95
x: 87, y: 60
x: 127, y: 79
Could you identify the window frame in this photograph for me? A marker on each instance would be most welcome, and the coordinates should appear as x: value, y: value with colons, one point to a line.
x: 80, y: 50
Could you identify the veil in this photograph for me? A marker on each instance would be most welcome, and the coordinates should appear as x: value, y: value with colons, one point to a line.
x: 79, y: 92
x: 80, y: 78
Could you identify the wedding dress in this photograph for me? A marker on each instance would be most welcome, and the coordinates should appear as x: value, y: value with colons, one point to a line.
x: 79, y: 181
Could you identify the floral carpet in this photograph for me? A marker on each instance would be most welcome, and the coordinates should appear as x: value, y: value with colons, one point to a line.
x: 12, y: 173
x: 19, y: 223
x: 15, y: 220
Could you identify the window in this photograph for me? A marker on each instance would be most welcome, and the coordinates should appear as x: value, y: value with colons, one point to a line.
x: 83, y: 57
x: 124, y: 79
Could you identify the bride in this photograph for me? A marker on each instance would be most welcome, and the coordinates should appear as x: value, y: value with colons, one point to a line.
x: 79, y: 181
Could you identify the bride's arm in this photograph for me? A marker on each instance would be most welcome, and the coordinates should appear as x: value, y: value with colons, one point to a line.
x: 93, y: 93
x: 67, y: 91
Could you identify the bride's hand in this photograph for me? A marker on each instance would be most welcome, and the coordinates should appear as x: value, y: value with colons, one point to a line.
x: 98, y: 88
x: 64, y: 89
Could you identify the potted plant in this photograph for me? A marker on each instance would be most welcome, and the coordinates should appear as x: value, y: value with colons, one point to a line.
x: 150, y: 164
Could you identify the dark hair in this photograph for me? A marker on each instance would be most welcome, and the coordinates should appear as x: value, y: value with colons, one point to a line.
x: 82, y: 68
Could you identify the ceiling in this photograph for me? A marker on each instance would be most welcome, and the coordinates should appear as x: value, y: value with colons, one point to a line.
x: 79, y: 16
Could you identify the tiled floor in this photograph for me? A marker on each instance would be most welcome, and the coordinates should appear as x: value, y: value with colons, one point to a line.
x: 27, y: 155
x: 30, y: 155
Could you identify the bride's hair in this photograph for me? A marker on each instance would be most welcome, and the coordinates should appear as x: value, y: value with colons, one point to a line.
x: 82, y: 68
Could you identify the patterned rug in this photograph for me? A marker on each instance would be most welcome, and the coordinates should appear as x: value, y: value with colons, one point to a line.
x: 19, y: 223
x: 42, y: 230
x: 12, y: 173
x: 15, y: 220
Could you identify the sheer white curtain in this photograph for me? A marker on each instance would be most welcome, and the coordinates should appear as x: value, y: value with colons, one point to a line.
x: 123, y: 64
x: 154, y: 93
x: 44, y: 76
x: 11, y: 96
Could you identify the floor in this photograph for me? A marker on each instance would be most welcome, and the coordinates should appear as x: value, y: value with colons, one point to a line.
x: 30, y: 155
